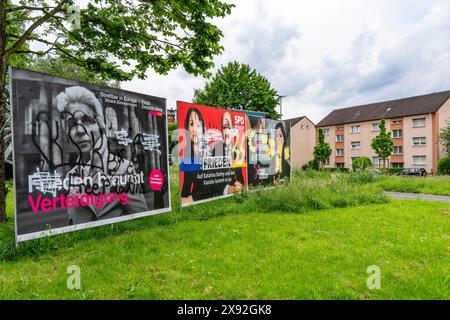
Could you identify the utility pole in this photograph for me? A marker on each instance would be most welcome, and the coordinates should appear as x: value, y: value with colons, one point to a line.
x: 280, y: 98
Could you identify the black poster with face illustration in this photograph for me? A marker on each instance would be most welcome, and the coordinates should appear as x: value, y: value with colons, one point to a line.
x: 268, y: 160
x: 85, y: 155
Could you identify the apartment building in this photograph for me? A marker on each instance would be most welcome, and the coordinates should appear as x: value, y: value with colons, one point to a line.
x: 303, y: 140
x: 414, y: 123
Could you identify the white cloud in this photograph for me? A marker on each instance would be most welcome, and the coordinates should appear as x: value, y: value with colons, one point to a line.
x: 329, y: 54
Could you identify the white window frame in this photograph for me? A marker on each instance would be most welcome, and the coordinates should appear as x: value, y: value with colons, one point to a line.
x: 326, y: 131
x: 355, y: 148
x: 422, y: 142
x: 377, y: 128
x: 396, y: 153
x: 339, y: 135
x: 358, y: 129
x: 376, y: 163
x: 342, y: 153
x: 421, y: 163
x: 420, y: 125
x: 397, y: 130
x: 397, y: 122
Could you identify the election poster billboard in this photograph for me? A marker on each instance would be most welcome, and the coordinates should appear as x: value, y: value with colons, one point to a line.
x: 269, y: 151
x: 85, y: 155
x: 212, y: 153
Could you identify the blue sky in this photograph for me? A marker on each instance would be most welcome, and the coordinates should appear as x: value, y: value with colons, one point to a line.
x: 329, y: 54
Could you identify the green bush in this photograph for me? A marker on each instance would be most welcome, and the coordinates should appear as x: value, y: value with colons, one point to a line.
x: 361, y: 177
x: 313, y: 164
x: 393, y: 171
x: 444, y: 166
x: 361, y: 164
x: 338, y: 170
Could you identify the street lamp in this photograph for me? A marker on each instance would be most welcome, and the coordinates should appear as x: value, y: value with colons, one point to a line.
x: 281, y: 105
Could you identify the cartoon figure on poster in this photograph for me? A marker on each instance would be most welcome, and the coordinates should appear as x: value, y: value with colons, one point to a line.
x: 213, y: 156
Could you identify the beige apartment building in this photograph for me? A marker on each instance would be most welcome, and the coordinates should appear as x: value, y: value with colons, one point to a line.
x: 303, y: 140
x: 414, y: 123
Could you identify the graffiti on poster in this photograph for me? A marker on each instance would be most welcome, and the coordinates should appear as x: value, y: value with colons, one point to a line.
x: 85, y: 155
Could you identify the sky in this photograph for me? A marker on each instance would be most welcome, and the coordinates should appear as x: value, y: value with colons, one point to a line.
x: 324, y: 55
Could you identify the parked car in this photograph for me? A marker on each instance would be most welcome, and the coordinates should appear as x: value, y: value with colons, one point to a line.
x: 420, y: 172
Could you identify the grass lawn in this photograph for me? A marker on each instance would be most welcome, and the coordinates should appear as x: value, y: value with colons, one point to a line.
x: 311, y: 239
x: 319, y: 255
x: 438, y: 185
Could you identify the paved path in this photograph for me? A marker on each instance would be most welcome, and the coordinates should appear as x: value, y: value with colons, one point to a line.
x: 398, y: 195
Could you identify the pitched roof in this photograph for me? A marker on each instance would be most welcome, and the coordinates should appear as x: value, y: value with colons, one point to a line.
x: 423, y: 104
x: 294, y: 121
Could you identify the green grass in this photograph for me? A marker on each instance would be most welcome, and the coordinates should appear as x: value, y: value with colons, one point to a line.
x: 437, y: 185
x: 320, y: 255
x: 311, y: 239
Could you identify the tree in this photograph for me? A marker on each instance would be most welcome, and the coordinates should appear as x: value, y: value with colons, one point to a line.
x: 382, y: 144
x: 445, y: 137
x: 113, y: 40
x: 322, y: 151
x: 56, y: 66
x: 237, y: 86
x: 361, y: 163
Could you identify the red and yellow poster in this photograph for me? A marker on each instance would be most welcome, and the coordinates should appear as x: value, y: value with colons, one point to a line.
x: 212, y: 153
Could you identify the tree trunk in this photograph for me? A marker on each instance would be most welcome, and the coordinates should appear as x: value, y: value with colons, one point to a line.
x: 3, y: 66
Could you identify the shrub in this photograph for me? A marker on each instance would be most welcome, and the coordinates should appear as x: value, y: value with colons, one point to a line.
x: 361, y: 177
x: 361, y: 164
x: 313, y: 164
x: 444, y: 166
x: 393, y: 171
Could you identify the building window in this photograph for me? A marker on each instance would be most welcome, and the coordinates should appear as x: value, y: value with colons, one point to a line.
x: 326, y: 132
x: 340, y: 165
x: 419, y: 160
x: 419, y: 122
x: 355, y: 129
x: 376, y: 161
x: 375, y: 127
x: 339, y: 128
x: 419, y: 141
x: 397, y: 165
x: 355, y: 145
x: 398, y: 150
x: 340, y: 152
x: 340, y: 138
x: 397, y: 133
x: 397, y: 121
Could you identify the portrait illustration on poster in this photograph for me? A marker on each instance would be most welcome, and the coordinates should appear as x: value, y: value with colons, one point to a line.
x: 85, y: 155
x: 212, y: 153
x: 268, y: 151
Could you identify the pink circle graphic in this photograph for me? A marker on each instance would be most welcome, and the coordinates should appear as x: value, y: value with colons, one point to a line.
x: 156, y: 180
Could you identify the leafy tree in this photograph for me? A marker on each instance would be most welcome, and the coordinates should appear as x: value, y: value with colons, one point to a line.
x: 382, y: 144
x: 322, y: 151
x: 237, y: 86
x: 445, y: 137
x: 444, y: 166
x: 56, y: 66
x: 361, y: 164
x: 114, y: 40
